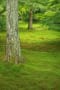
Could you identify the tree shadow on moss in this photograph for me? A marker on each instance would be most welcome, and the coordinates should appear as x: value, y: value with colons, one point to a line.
x: 45, y: 46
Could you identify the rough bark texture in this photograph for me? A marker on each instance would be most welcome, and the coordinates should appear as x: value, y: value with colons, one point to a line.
x: 13, y: 45
x: 30, y: 19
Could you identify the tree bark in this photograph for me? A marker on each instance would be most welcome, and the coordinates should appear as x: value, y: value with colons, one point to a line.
x: 13, y: 51
x: 30, y: 19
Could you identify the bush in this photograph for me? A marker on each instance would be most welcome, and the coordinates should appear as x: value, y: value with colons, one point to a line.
x: 2, y: 23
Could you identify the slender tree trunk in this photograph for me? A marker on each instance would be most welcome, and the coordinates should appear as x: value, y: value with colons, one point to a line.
x: 30, y: 19
x: 13, y: 45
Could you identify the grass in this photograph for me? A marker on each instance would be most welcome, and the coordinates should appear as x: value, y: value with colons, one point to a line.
x: 40, y: 38
x: 40, y: 33
x: 40, y: 69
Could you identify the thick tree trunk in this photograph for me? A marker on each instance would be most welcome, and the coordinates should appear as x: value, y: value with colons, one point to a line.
x: 13, y: 45
x: 30, y: 19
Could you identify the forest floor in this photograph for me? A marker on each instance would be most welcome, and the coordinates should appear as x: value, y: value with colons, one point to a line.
x: 40, y: 69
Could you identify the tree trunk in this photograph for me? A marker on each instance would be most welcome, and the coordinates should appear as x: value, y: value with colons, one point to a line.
x: 30, y: 19
x: 13, y: 45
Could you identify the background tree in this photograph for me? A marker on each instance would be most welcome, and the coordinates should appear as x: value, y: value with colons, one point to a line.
x: 45, y: 12
x: 32, y: 6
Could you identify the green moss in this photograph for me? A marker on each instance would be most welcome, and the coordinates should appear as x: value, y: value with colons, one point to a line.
x: 40, y: 69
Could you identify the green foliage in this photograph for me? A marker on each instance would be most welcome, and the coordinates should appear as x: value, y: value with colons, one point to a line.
x: 44, y: 11
x: 2, y: 15
x: 2, y: 23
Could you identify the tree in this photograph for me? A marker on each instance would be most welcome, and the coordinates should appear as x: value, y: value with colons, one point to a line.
x: 33, y: 5
x: 13, y: 51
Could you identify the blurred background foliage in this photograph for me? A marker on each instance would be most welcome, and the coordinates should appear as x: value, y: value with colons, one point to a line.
x: 44, y: 11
